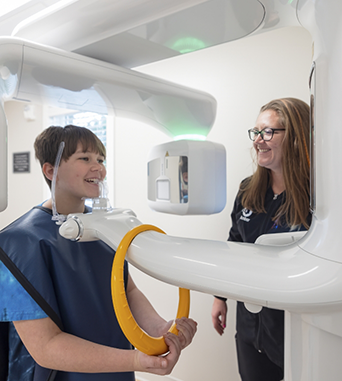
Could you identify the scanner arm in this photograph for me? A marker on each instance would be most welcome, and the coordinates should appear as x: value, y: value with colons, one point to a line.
x: 283, y: 277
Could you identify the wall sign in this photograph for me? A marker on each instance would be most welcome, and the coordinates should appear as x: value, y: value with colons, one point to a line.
x: 21, y: 162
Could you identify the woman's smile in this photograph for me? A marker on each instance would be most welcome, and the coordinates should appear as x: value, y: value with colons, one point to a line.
x: 269, y: 153
x: 263, y: 150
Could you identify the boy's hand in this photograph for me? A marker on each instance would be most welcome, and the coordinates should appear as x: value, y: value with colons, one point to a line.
x: 186, y: 330
x: 161, y: 365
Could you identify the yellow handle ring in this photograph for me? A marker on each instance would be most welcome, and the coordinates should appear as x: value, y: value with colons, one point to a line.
x: 138, y: 338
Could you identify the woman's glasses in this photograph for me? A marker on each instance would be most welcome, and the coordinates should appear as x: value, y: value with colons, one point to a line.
x: 266, y: 133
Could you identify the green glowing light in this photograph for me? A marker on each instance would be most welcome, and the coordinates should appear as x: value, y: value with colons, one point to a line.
x: 190, y: 137
x: 188, y: 45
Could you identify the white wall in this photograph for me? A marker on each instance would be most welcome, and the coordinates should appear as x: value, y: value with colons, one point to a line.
x: 242, y: 76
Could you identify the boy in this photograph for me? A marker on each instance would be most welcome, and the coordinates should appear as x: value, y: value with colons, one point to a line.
x: 69, y: 326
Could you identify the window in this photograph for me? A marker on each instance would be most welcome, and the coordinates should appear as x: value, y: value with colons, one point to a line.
x: 97, y: 123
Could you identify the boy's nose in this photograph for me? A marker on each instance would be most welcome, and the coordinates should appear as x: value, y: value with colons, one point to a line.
x: 97, y: 167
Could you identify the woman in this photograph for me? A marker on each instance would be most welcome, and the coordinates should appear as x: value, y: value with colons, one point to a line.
x: 274, y: 199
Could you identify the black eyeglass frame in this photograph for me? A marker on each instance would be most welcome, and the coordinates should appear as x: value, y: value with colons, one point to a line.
x: 262, y: 133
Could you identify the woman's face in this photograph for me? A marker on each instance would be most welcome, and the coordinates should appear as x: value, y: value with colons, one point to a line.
x: 269, y: 153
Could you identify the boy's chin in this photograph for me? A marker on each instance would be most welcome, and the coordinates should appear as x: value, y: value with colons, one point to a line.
x: 90, y: 196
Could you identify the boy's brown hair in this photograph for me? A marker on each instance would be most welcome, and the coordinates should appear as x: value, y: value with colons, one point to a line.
x: 47, y: 144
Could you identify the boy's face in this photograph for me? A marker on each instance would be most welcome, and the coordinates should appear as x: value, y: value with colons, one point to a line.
x: 78, y: 177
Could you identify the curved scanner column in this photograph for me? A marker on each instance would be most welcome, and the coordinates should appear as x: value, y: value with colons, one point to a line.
x: 323, y: 19
x: 3, y: 159
x: 313, y: 341
x: 313, y: 346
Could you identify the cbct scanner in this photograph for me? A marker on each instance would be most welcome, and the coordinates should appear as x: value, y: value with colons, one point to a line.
x: 300, y: 274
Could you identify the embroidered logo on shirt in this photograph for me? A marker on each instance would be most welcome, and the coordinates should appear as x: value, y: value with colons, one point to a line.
x: 245, y: 214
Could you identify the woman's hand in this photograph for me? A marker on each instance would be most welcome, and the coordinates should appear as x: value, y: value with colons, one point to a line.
x: 219, y: 315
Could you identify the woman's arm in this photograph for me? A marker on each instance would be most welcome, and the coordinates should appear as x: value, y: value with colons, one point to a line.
x: 219, y: 315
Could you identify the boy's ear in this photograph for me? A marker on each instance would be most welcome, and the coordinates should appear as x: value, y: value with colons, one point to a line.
x: 48, y: 170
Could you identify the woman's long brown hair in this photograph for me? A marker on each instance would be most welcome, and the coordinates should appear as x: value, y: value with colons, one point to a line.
x: 294, y: 117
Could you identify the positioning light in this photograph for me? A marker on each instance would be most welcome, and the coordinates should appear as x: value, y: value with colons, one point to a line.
x: 188, y: 45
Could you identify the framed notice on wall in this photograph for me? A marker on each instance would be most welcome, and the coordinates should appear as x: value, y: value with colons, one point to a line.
x: 21, y: 162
